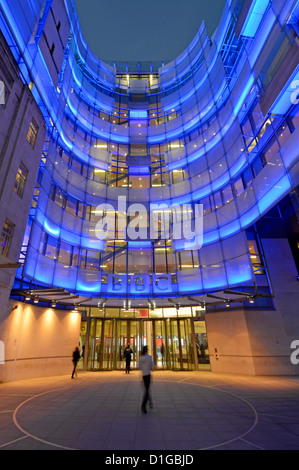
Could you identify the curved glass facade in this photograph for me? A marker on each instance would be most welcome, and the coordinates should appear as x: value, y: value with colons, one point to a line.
x: 209, y: 132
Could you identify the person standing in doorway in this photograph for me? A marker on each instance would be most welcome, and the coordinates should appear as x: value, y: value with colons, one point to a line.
x: 146, y: 366
x: 128, y: 356
x: 76, y: 358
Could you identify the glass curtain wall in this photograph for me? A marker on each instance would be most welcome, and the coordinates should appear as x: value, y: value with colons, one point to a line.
x: 175, y: 344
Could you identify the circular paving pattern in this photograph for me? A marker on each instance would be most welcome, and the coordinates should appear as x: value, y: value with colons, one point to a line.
x: 106, y: 415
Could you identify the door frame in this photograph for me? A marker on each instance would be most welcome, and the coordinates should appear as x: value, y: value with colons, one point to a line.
x: 167, y: 337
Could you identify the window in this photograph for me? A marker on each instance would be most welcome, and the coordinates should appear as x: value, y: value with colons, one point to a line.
x: 159, y: 259
x: 206, y: 205
x: 80, y: 210
x: 257, y: 165
x: 43, y: 243
x: 60, y: 197
x: 257, y: 117
x: 271, y: 149
x: 283, y: 134
x: 218, y: 200
x: 65, y: 254
x: 238, y: 187
x: 247, y: 177
x: 6, y: 237
x: 75, y: 256
x: 52, y: 191
x: 98, y: 175
x: 71, y: 205
x: 51, y: 249
x: 21, y: 180
x: 77, y: 166
x: 186, y: 260
x: 138, y: 150
x: 247, y: 131
x: 177, y: 176
x: 255, y: 257
x: 227, y: 194
x: 32, y: 134
x: 120, y: 262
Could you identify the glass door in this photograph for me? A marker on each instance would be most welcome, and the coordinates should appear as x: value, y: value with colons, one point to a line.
x: 186, y: 345
x: 106, y: 357
x: 160, y: 346
x: 121, y: 342
x: 146, y: 337
x: 174, y: 343
x: 127, y: 332
x: 134, y: 341
x: 179, y: 345
x: 95, y: 345
x: 202, y: 348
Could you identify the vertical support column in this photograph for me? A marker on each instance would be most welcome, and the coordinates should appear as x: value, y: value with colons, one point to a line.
x: 194, y: 344
x: 128, y: 333
x: 180, y: 345
x: 115, y: 343
x: 154, y: 341
x: 101, y: 361
x: 86, y: 348
x: 169, y: 355
x: 148, y: 332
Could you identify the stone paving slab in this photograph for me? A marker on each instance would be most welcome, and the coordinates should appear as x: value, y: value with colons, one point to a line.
x: 192, y: 411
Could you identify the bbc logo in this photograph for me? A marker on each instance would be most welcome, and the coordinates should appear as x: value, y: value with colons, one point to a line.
x: 2, y: 93
x: 2, y: 353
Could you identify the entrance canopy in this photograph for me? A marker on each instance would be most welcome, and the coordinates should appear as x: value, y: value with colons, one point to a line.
x: 64, y: 299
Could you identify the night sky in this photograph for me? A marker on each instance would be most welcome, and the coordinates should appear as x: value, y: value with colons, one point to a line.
x: 144, y: 30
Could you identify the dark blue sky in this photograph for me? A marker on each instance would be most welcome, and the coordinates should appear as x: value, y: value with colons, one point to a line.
x: 144, y: 30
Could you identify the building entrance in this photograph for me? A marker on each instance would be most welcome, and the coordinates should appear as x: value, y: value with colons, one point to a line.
x: 175, y: 344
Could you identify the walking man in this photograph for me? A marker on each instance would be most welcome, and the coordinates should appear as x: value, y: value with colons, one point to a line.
x: 76, y: 359
x: 146, y: 366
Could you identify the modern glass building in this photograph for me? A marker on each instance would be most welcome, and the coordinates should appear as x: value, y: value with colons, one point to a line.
x: 135, y: 153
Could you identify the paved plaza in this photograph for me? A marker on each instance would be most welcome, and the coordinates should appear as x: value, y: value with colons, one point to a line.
x: 191, y: 411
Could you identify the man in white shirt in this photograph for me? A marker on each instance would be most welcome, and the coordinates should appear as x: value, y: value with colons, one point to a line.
x: 146, y: 366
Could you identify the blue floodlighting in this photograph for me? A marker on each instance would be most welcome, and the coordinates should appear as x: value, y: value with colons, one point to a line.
x: 254, y: 17
x: 198, y: 153
x: 288, y: 96
x: 140, y: 114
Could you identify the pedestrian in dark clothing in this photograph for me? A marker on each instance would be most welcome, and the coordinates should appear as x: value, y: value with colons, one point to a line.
x: 146, y: 366
x: 128, y: 357
x: 76, y: 358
